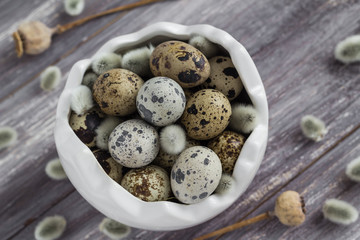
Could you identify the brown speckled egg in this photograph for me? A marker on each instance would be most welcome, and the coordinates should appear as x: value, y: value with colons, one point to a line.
x: 227, y: 146
x: 150, y: 183
x: 110, y: 166
x: 181, y: 62
x: 224, y: 77
x: 115, y: 91
x: 207, y: 114
x: 85, y: 125
x: 166, y: 160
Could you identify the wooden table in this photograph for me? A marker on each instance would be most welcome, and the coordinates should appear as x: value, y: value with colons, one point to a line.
x: 292, y: 44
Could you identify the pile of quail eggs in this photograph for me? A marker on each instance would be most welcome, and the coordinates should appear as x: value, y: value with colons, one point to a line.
x: 156, y: 118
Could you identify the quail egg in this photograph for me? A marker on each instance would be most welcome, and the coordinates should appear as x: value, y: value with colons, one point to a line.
x: 180, y: 61
x: 195, y: 174
x: 115, y: 91
x: 150, y: 183
x: 85, y: 125
x: 227, y: 146
x: 166, y: 160
x: 207, y: 114
x: 224, y: 77
x: 134, y: 143
x: 110, y: 166
x: 160, y: 101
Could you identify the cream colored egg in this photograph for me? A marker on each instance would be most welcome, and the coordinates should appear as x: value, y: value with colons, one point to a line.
x: 195, y: 174
x: 134, y: 143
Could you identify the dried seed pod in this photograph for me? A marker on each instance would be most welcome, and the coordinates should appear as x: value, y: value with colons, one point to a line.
x: 32, y: 37
x: 290, y: 208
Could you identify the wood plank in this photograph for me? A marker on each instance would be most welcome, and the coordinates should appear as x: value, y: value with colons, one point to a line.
x: 325, y: 179
x: 311, y: 75
x: 17, y: 73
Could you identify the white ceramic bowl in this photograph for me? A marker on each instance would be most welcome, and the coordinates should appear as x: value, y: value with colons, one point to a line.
x: 109, y: 197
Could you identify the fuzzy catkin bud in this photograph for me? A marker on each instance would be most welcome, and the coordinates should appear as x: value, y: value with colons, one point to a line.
x: 339, y: 211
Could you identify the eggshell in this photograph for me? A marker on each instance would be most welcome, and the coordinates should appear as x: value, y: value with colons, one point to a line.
x: 110, y: 166
x: 224, y: 77
x: 150, y: 183
x: 134, y: 143
x: 166, y: 160
x: 161, y: 101
x: 207, y: 114
x: 227, y: 146
x: 195, y: 174
x: 180, y: 61
x: 115, y: 91
x: 85, y: 125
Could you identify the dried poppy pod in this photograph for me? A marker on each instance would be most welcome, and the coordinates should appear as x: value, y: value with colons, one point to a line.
x: 32, y: 37
x: 35, y: 37
x: 290, y: 208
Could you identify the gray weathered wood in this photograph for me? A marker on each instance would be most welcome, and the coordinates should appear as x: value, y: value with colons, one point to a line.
x: 291, y: 43
x: 324, y: 180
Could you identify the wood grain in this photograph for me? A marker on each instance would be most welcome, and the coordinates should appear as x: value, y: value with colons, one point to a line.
x: 291, y: 43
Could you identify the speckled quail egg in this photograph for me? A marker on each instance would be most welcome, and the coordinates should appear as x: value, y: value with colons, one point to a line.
x: 85, y: 125
x: 207, y: 114
x: 195, y: 174
x: 160, y: 101
x: 224, y: 77
x: 166, y: 160
x: 150, y: 183
x: 115, y: 91
x: 181, y: 62
x: 227, y: 146
x: 110, y: 166
x: 134, y: 143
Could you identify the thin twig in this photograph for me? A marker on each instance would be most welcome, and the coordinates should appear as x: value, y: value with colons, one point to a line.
x: 62, y: 28
x: 238, y: 225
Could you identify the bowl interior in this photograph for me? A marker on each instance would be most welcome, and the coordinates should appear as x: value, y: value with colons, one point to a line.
x: 109, y: 197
